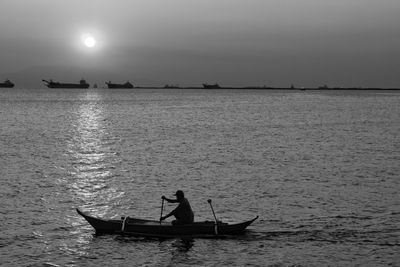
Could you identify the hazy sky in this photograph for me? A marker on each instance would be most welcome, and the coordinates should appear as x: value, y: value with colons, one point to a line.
x: 233, y: 42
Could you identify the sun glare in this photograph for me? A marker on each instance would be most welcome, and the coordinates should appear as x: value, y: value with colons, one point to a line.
x: 89, y: 41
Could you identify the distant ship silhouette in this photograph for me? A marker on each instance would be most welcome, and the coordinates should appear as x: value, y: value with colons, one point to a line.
x: 211, y: 86
x: 7, y: 84
x: 119, y: 85
x: 82, y: 84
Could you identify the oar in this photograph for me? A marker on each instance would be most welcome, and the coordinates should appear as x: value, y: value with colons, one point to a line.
x: 162, y: 208
x: 215, y: 218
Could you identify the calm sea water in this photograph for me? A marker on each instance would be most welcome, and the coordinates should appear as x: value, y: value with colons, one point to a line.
x: 321, y: 169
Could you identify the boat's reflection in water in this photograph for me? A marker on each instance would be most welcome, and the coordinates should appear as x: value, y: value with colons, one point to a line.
x: 183, y: 244
x: 179, y: 251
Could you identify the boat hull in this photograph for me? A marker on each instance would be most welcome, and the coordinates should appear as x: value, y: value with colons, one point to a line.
x: 148, y: 228
x: 2, y: 85
x: 119, y: 86
x: 211, y: 86
x: 81, y: 85
x: 67, y: 85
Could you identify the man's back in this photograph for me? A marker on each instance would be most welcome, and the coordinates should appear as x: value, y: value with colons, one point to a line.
x: 184, y: 211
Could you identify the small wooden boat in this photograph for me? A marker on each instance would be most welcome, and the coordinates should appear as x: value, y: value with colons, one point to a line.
x: 152, y: 228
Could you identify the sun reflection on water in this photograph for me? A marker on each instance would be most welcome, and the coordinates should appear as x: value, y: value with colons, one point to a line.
x: 91, y: 180
x: 92, y: 155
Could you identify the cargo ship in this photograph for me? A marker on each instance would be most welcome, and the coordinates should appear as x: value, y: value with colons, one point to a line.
x: 119, y: 85
x: 82, y: 84
x: 7, y: 84
x: 211, y: 86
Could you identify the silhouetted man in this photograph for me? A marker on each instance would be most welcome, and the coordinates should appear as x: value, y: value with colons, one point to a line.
x: 183, y: 213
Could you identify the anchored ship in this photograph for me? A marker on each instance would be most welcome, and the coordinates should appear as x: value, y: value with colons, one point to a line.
x: 119, y: 85
x: 82, y: 84
x: 211, y: 86
x: 7, y: 84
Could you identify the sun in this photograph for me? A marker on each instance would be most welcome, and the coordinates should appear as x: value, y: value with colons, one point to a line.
x: 89, y: 41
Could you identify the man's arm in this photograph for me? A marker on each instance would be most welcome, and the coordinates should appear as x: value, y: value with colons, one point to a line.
x: 168, y: 215
x: 170, y: 200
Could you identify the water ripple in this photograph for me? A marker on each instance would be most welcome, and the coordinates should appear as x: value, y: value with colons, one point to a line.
x: 319, y: 168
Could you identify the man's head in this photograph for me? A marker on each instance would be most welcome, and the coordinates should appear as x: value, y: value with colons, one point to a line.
x: 179, y: 194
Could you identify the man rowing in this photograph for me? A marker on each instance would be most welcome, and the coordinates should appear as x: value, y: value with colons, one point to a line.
x: 183, y: 213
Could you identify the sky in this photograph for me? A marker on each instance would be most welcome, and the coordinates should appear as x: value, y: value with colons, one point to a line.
x: 307, y: 43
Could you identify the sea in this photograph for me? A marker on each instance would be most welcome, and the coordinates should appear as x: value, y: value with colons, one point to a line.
x: 321, y: 169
